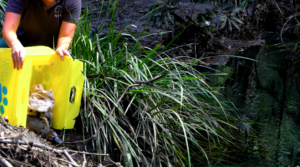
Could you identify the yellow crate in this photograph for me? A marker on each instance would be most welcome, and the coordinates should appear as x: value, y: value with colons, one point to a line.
x: 41, y: 66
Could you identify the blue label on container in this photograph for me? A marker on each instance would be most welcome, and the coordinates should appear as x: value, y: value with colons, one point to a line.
x: 3, y: 99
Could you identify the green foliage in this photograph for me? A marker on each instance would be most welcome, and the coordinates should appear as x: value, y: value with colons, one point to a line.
x: 161, y: 12
x: 245, y: 3
x: 2, y: 12
x: 165, y: 123
x: 230, y: 18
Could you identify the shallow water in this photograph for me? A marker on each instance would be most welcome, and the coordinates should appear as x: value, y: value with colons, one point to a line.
x: 267, y: 92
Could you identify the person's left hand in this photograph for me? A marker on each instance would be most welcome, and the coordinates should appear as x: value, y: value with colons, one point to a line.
x: 62, y: 52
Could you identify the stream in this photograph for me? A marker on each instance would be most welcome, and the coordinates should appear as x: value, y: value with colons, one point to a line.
x: 267, y: 94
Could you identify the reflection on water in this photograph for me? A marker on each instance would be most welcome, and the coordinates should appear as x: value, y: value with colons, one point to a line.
x: 268, y: 92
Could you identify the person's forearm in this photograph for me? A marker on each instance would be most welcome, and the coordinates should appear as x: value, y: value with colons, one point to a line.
x: 64, y: 42
x: 10, y: 37
x: 18, y: 52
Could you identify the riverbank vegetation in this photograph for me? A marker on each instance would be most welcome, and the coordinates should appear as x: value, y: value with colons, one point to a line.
x: 147, y: 107
x: 153, y: 106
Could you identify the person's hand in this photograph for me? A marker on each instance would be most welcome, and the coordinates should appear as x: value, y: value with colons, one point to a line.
x: 62, y: 52
x: 18, y: 53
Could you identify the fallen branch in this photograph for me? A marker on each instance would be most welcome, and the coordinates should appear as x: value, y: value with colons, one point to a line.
x: 136, y: 83
x: 7, y: 164
x: 4, y: 162
x: 47, y: 147
x: 18, y: 163
x: 33, y: 144
x: 70, y: 158
x: 41, y: 146
x: 87, y: 153
x: 84, y: 161
x: 115, y: 163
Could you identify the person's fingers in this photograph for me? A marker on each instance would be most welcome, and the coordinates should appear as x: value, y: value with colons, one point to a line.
x: 14, y: 60
x: 22, y: 55
x: 15, y: 54
x: 17, y: 63
x: 60, y: 53
x: 22, y: 61
x: 65, y: 52
x: 18, y: 53
x: 19, y: 60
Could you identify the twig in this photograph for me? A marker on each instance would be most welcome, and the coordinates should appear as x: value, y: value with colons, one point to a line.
x: 70, y: 158
x: 55, y: 163
x: 115, y: 163
x: 3, y: 152
x: 84, y: 161
x: 59, y: 159
x: 101, y: 75
x: 49, y: 148
x: 281, y: 32
x: 6, y: 138
x: 4, y: 162
x: 148, y: 82
x: 278, y: 7
x: 87, y: 153
x: 74, y: 154
x: 136, y: 83
x: 18, y: 163
x: 34, y: 144
x: 5, y: 123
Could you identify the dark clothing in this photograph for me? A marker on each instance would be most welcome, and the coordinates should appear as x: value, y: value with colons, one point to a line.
x: 39, y: 26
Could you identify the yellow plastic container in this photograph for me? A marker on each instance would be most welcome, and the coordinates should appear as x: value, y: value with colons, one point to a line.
x: 41, y: 66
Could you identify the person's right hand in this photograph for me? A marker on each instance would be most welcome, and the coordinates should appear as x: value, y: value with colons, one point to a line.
x: 18, y: 53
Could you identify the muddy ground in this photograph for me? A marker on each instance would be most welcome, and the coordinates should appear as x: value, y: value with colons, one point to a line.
x: 129, y: 13
x: 133, y: 13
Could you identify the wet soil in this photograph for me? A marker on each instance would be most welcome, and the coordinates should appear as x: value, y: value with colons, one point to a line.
x: 128, y: 13
x: 134, y: 13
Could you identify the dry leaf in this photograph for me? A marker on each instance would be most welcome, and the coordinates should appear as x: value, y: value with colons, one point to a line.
x: 40, y: 100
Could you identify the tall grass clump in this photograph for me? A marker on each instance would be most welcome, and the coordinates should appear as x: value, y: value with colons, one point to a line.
x: 2, y: 12
x: 164, y: 113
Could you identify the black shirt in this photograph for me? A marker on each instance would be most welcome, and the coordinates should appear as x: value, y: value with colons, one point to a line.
x: 39, y: 26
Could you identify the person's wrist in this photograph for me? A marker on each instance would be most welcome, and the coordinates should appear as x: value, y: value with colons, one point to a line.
x: 65, y: 47
x: 16, y: 44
